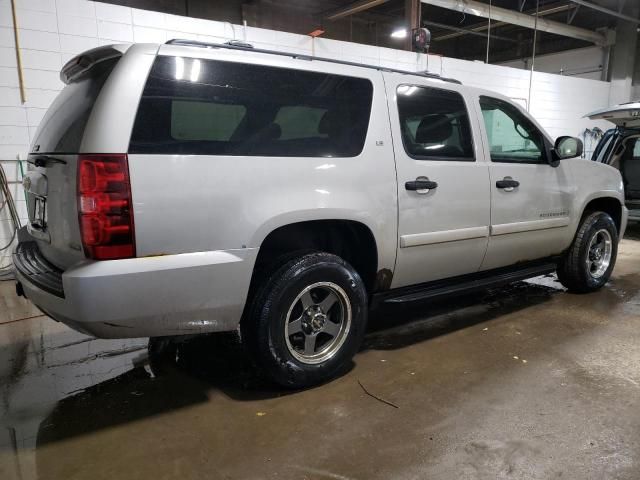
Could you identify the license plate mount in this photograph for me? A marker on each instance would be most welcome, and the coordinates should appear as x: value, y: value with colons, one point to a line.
x: 39, y: 220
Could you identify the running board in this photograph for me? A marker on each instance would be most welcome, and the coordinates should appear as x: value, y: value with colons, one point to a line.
x: 460, y: 285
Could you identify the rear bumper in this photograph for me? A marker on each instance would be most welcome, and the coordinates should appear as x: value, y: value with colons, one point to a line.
x: 153, y: 296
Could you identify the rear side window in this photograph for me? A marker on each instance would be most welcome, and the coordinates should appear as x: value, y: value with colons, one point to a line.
x: 434, y: 124
x: 208, y: 107
x: 62, y: 128
x: 204, y: 121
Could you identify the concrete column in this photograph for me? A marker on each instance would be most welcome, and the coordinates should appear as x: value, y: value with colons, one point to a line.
x: 623, y: 59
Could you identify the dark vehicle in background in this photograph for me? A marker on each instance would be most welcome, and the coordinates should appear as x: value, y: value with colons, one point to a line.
x: 620, y: 148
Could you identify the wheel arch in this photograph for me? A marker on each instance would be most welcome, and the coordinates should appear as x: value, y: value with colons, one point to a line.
x: 607, y: 204
x: 350, y: 239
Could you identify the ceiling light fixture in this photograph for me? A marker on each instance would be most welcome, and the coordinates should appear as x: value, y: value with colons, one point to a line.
x: 399, y: 33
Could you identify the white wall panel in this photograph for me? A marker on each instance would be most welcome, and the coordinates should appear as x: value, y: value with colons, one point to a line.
x: 146, y: 18
x: 8, y: 77
x: 35, y: 40
x: 7, y: 57
x: 6, y: 37
x: 149, y: 35
x: 35, y: 20
x: 113, y: 13
x: 5, y: 14
x: 77, y: 44
x: 9, y: 97
x: 42, y: 79
x: 13, y: 116
x: 118, y: 32
x: 79, y: 8
x: 41, y: 60
x: 40, y: 5
x: 74, y: 25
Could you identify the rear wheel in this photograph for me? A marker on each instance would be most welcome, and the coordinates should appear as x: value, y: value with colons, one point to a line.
x: 588, y: 263
x: 307, y: 319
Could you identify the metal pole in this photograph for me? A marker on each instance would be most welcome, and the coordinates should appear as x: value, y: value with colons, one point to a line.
x: 533, y: 56
x: 488, y: 33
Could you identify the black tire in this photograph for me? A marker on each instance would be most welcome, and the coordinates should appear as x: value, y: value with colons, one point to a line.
x: 573, y: 271
x: 276, y: 300
x: 163, y: 355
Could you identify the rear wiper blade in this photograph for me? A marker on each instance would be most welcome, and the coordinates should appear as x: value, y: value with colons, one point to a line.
x: 42, y: 160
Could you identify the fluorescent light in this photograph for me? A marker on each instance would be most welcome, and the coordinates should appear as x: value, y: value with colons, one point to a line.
x: 195, y: 70
x: 399, y: 33
x: 179, y: 68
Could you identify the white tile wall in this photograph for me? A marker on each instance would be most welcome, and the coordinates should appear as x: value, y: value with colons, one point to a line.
x: 36, y: 40
x: 39, y: 5
x: 52, y: 31
x: 7, y: 57
x: 72, y: 25
x: 34, y: 20
x: 13, y: 116
x: 75, y: 44
x: 119, y: 32
x: 40, y: 60
x: 80, y: 8
x: 113, y: 13
x: 9, y: 96
x: 6, y: 37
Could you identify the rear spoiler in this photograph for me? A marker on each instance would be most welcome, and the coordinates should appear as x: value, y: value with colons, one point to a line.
x: 79, y: 65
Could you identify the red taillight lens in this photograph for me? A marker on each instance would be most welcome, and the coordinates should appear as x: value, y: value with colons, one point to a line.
x: 104, y: 206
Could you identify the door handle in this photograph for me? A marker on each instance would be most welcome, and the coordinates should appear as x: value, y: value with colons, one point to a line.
x: 421, y: 185
x: 508, y: 184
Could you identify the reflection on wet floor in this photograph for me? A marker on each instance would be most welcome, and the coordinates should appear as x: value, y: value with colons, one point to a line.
x: 71, y: 405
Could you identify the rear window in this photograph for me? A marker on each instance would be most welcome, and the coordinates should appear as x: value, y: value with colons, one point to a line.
x: 62, y: 127
x: 207, y: 107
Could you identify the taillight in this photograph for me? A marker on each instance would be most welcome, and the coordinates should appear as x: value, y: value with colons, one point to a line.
x: 105, y: 209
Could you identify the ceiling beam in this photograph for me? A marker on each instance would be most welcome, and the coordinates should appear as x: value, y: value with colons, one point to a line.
x: 466, y: 31
x: 473, y: 7
x: 352, y: 8
x: 482, y: 27
x: 608, y: 11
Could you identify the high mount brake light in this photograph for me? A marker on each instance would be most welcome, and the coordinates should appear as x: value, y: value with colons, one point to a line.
x: 105, y: 209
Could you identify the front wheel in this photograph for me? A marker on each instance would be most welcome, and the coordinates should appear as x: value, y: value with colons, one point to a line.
x: 307, y: 319
x: 588, y: 263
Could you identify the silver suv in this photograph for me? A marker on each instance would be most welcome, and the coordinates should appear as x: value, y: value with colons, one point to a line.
x: 188, y: 187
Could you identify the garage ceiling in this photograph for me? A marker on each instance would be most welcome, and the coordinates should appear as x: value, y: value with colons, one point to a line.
x: 455, y: 34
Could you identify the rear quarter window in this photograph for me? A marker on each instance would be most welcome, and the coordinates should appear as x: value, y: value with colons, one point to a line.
x: 209, y: 107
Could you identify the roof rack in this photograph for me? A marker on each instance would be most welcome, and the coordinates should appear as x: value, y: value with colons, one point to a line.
x: 247, y: 47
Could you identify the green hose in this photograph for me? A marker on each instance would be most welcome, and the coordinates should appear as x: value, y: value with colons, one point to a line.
x: 21, y: 178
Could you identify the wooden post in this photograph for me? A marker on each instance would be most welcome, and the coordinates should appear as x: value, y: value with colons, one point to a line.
x: 23, y: 97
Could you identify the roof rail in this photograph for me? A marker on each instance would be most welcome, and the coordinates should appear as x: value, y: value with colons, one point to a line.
x: 247, y: 47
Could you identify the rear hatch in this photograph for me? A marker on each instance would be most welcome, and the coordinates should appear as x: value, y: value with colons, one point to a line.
x: 619, y: 146
x: 50, y: 182
x: 625, y: 115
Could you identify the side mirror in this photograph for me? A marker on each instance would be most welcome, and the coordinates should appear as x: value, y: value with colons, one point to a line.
x: 567, y: 147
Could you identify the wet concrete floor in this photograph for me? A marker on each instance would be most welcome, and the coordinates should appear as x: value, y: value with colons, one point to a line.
x: 525, y: 382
